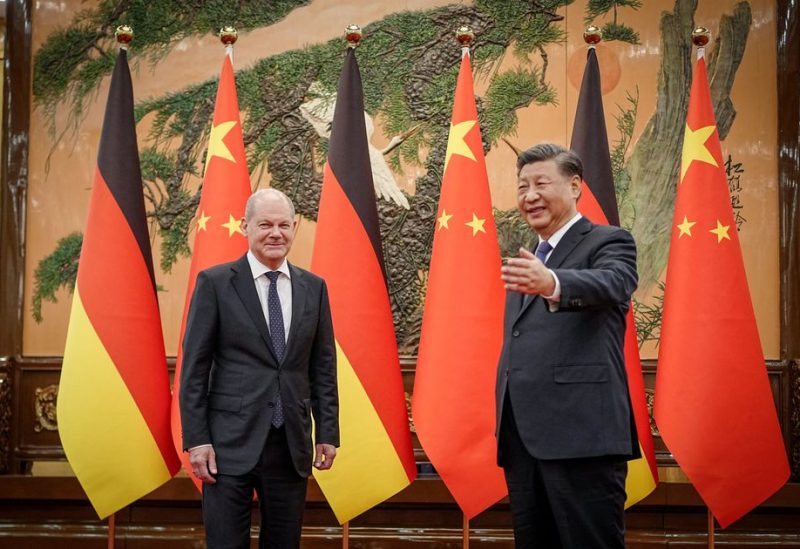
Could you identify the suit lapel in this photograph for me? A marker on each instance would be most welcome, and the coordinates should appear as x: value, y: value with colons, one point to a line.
x: 575, y: 234
x: 299, y: 299
x: 245, y: 287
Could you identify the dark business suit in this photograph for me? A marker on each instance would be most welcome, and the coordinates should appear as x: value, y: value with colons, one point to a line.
x: 229, y: 382
x: 562, y: 395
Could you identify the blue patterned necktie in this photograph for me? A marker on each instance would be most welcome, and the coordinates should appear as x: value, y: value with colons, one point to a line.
x: 541, y: 252
x: 277, y: 334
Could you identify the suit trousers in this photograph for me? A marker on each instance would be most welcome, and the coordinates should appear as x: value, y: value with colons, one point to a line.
x: 562, y: 503
x: 281, y: 491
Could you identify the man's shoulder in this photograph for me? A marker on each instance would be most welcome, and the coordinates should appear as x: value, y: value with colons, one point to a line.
x: 222, y: 269
x: 610, y: 231
x: 307, y: 275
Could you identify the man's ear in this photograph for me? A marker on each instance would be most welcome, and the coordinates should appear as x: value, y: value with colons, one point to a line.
x: 575, y: 184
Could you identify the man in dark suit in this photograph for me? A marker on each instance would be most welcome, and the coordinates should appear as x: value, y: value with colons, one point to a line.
x: 258, y: 361
x: 564, y: 421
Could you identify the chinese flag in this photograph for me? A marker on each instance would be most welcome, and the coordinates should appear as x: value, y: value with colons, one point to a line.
x: 113, y: 401
x: 375, y: 460
x: 454, y: 389
x: 714, y: 406
x: 218, y: 237
x: 598, y: 202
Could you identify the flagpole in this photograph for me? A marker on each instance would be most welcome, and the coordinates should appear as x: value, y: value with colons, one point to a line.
x: 112, y: 530
x: 346, y: 534
x: 710, y: 529
x: 465, y: 531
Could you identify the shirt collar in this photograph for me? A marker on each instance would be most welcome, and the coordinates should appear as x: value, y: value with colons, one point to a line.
x: 259, y: 268
x: 559, y: 234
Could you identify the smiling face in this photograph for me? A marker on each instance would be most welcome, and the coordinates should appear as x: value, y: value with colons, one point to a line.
x: 270, y: 230
x: 547, y: 198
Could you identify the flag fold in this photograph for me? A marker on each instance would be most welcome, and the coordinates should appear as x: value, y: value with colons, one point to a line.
x: 113, y: 402
x: 598, y: 202
x: 462, y: 327
x: 714, y: 406
x: 376, y: 459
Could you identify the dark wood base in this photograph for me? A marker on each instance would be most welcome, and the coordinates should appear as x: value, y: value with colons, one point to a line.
x: 52, y: 512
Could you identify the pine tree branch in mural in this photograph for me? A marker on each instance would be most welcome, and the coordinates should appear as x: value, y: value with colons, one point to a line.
x: 653, y: 166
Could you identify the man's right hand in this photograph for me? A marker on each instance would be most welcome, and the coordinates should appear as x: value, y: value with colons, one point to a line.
x: 204, y: 463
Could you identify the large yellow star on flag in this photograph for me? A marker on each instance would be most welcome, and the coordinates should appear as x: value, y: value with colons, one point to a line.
x: 686, y: 227
x: 694, y: 147
x: 721, y: 231
x: 444, y: 219
x: 233, y: 225
x: 456, y: 143
x: 202, y: 220
x: 476, y: 224
x: 216, y: 143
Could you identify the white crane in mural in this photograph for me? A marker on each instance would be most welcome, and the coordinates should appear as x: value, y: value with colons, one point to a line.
x: 319, y: 113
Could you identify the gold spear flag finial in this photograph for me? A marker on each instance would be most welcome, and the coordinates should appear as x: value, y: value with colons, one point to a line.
x: 353, y: 36
x: 592, y: 35
x: 465, y: 36
x: 228, y: 35
x: 124, y: 36
x: 701, y: 36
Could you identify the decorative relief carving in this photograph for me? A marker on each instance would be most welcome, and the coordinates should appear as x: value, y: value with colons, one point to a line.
x: 5, y: 421
x: 794, y: 427
x: 45, y: 408
x: 408, y: 411
x: 650, y: 396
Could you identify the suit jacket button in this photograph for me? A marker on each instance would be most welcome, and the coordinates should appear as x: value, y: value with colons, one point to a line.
x: 270, y: 405
x: 506, y: 372
x: 515, y: 333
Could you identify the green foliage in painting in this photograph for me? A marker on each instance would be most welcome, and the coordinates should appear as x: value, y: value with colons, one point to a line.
x: 626, y: 120
x: 57, y: 270
x: 72, y: 61
x: 615, y: 29
x: 508, y: 92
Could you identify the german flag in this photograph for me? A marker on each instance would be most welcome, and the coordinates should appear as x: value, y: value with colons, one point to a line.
x: 375, y: 460
x: 218, y: 235
x: 113, y: 403
x: 598, y: 202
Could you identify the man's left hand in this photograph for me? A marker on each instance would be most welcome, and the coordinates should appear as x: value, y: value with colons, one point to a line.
x: 325, y: 455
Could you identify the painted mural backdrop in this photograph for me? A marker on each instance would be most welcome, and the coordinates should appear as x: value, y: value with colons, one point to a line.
x: 528, y: 57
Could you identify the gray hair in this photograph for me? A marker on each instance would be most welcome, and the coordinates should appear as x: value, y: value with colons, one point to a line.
x: 568, y: 162
x: 261, y: 195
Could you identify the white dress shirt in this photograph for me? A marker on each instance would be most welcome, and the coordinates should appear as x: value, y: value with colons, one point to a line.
x: 262, y: 288
x: 554, y: 300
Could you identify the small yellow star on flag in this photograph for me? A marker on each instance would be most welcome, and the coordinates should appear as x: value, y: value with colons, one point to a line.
x: 216, y: 145
x: 721, y: 231
x: 233, y: 225
x: 686, y: 227
x: 444, y: 219
x: 694, y: 147
x: 476, y: 224
x: 456, y: 143
x: 202, y: 220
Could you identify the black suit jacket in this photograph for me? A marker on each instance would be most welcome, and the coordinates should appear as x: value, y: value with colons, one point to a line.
x: 564, y: 371
x: 230, y: 375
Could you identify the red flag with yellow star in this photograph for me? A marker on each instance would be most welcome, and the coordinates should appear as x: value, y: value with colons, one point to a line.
x: 454, y: 403
x: 218, y: 236
x: 714, y: 406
